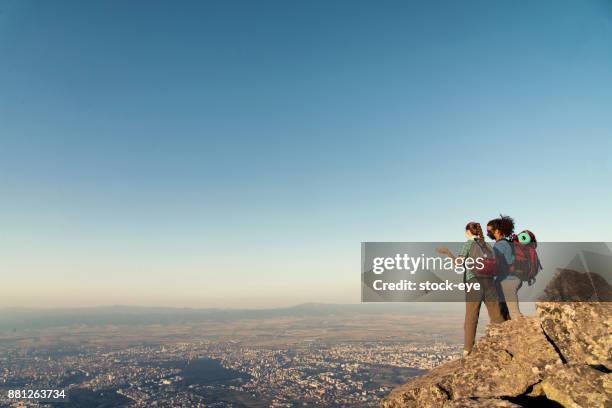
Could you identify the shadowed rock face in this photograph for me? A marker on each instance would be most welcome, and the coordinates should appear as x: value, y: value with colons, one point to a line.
x: 572, y: 286
x: 481, y: 402
x: 559, y: 358
x: 578, y: 386
x: 582, y: 332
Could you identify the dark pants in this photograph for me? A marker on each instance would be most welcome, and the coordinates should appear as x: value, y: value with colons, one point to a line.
x: 487, y: 294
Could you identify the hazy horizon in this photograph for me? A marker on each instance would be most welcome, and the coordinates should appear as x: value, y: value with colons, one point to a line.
x: 236, y: 154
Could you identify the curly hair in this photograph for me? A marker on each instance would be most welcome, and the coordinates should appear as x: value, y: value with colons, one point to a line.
x: 503, y: 224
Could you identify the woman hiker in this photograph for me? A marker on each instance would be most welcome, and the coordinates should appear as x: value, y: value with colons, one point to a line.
x: 475, y: 247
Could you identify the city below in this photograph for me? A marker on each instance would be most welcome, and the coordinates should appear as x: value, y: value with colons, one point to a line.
x: 303, y: 358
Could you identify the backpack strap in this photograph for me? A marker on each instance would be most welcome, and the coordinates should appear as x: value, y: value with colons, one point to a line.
x: 483, y: 247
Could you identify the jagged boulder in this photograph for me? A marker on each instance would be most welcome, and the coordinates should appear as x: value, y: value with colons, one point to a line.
x: 579, y: 386
x: 536, y: 360
x: 480, y: 403
x: 581, y: 331
x: 425, y: 390
x: 510, y: 359
x: 568, y: 285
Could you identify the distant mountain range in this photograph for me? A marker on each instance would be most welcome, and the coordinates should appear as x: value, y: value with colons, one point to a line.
x: 21, y: 318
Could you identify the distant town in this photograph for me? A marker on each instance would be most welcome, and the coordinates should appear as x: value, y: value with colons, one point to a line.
x: 219, y: 374
x: 306, y: 358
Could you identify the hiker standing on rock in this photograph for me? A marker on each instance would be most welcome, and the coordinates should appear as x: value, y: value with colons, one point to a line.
x: 476, y: 247
x: 500, y: 229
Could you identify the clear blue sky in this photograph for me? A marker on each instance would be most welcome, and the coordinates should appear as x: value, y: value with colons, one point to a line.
x: 226, y: 153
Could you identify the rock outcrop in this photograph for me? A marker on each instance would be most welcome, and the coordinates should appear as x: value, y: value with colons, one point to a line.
x: 578, y: 386
x: 582, y: 332
x: 572, y: 286
x: 561, y: 357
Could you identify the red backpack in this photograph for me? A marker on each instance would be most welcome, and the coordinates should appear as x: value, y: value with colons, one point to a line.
x: 488, y: 265
x: 526, y: 261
